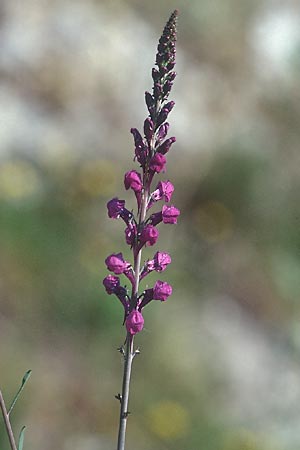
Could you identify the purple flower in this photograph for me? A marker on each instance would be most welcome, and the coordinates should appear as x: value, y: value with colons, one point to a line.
x: 115, y: 208
x: 170, y: 214
x: 111, y: 284
x: 133, y: 180
x: 134, y: 322
x: 150, y: 148
x: 149, y: 235
x: 158, y: 163
x: 166, y: 145
x: 164, y: 190
x: 116, y: 264
x: 161, y: 291
x: 159, y: 263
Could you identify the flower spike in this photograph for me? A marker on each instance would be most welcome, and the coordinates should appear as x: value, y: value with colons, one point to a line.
x: 151, y: 146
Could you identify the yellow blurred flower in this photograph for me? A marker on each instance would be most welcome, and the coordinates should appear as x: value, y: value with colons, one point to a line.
x: 18, y: 180
x: 98, y: 178
x: 243, y: 439
x: 168, y: 420
x: 214, y: 221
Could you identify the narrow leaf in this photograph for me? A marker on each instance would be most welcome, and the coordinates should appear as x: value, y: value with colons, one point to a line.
x: 24, y: 381
x: 21, y: 438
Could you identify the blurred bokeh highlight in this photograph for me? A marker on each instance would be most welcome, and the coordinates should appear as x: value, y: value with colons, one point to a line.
x: 219, y: 367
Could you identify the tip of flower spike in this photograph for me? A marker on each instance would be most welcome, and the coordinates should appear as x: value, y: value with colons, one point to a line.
x: 173, y: 17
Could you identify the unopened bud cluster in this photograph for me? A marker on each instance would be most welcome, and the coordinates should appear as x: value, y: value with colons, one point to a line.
x: 141, y: 229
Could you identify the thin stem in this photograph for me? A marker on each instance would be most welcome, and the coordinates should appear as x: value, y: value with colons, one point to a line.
x: 7, y: 423
x: 125, y: 392
x: 129, y: 353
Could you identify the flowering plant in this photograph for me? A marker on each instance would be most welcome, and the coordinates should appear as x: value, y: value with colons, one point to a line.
x: 141, y: 228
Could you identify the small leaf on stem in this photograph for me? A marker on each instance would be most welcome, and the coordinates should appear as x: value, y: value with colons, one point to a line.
x: 21, y: 438
x: 24, y: 381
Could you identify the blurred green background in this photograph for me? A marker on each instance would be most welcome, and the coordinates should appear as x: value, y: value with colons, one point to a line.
x: 219, y: 367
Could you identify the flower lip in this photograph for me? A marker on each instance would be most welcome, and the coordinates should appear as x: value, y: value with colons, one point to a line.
x: 170, y: 214
x: 158, y: 163
x: 134, y: 322
x: 115, y: 207
x: 111, y: 283
x: 161, y: 261
x: 116, y: 263
x: 149, y: 235
x: 161, y: 290
x: 133, y: 180
x: 165, y: 189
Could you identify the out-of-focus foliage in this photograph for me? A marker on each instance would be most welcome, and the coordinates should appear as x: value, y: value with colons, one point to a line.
x: 219, y: 360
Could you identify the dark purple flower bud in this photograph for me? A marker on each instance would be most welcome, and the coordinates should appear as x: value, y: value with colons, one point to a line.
x: 170, y: 105
x: 134, y: 322
x: 138, y: 140
x: 116, y: 263
x: 148, y: 129
x: 161, y: 291
x: 162, y: 70
x: 133, y: 180
x: 171, y: 65
x: 162, y: 132
x: 156, y: 218
x: 163, y: 115
x: 155, y: 74
x: 167, y: 88
x: 160, y: 58
x: 170, y: 214
x: 150, y: 102
x: 161, y: 46
x: 141, y: 155
x: 130, y: 234
x: 115, y: 208
x: 111, y: 283
x: 149, y: 235
x: 157, y: 90
x: 158, y: 163
x: 171, y: 76
x: 166, y: 145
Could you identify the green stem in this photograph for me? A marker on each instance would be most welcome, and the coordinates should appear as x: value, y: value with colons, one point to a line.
x: 7, y: 423
x: 125, y: 392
